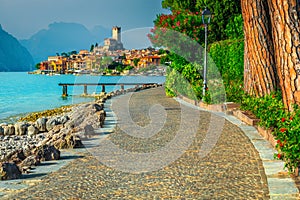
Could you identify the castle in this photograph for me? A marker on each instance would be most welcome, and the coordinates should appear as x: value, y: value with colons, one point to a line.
x: 114, y: 43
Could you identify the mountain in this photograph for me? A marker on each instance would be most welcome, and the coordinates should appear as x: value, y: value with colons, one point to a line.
x: 13, y: 56
x: 59, y: 37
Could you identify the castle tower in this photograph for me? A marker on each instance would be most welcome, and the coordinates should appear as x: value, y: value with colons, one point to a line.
x: 116, y: 33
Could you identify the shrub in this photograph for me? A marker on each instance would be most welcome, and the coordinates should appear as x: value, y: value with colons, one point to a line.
x: 228, y: 56
x: 285, y: 126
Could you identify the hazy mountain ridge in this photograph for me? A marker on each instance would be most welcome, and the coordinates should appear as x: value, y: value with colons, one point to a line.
x: 63, y: 37
x: 13, y: 56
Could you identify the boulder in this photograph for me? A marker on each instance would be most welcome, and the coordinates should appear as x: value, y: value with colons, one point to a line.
x: 57, y: 129
x: 51, y: 123
x: 88, y: 131
x: 9, y: 171
x: 31, y: 160
x: 68, y: 141
x: 21, y: 128
x: 109, y: 96
x: 102, y: 115
x: 41, y: 124
x: 9, y: 130
x: 63, y: 119
x: 32, y: 130
x: 101, y: 101
x: 98, y: 107
x: 16, y: 156
x: 47, y: 152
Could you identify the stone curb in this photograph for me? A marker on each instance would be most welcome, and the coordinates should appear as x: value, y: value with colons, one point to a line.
x: 280, y: 185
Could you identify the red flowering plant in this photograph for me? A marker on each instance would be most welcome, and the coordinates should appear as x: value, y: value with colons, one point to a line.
x: 185, y: 22
x: 182, y: 33
x: 288, y: 139
x: 285, y: 126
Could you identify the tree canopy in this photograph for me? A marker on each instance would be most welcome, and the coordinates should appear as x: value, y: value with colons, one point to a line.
x: 224, y: 13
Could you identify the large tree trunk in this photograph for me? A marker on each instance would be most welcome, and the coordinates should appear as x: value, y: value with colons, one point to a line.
x: 260, y: 73
x: 286, y: 33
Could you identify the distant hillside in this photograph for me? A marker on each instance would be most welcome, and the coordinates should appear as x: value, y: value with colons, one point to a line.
x: 60, y: 37
x: 13, y: 56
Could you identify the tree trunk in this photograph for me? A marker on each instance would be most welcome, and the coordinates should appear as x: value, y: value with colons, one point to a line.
x: 286, y: 33
x: 260, y: 73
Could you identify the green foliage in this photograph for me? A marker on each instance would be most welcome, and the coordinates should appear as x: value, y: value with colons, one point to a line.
x: 288, y: 139
x: 64, y: 54
x: 184, y: 78
x: 37, y: 66
x: 234, y: 29
x: 223, y: 11
x: 120, y: 68
x: 128, y: 67
x: 182, y: 33
x: 186, y: 23
x: 72, y: 52
x: 269, y: 109
x: 92, y: 48
x: 228, y: 56
x: 285, y: 126
x: 161, y: 51
x: 136, y: 61
x: 107, y: 71
x: 106, y: 60
x: 179, y: 5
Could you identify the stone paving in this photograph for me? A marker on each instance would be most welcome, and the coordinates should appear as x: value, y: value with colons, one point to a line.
x: 184, y: 158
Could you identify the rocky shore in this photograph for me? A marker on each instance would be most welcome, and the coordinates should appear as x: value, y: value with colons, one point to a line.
x: 40, y: 136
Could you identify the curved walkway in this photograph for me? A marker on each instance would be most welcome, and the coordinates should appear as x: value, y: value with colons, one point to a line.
x: 199, y: 164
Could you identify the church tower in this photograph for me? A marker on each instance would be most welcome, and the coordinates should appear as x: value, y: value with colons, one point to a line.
x: 116, y: 33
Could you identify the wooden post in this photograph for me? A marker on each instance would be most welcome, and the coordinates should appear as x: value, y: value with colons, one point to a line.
x: 103, y: 88
x: 85, y: 90
x: 65, y: 91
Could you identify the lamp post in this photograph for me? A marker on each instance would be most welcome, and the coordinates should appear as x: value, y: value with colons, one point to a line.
x: 206, y: 16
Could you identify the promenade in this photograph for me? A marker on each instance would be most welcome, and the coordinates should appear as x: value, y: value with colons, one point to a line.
x: 176, y: 156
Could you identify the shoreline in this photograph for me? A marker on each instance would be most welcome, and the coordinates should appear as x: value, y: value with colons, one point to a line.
x: 40, y: 136
x: 16, y: 103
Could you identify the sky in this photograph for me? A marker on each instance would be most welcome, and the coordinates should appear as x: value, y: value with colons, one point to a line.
x: 23, y: 18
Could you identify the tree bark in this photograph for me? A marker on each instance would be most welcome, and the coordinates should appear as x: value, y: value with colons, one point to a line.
x: 286, y: 32
x: 260, y: 76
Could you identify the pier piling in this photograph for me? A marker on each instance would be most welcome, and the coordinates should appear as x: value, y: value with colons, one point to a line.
x: 65, y: 91
x: 85, y: 90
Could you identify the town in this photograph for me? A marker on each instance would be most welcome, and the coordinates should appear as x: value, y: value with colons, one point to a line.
x: 110, y: 59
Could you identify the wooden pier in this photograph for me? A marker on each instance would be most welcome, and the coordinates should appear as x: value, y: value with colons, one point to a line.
x: 85, y: 85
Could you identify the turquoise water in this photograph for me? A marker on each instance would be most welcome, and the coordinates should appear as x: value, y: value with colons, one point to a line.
x: 22, y: 93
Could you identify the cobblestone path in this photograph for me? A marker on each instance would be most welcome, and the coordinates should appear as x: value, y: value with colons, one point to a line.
x: 231, y: 170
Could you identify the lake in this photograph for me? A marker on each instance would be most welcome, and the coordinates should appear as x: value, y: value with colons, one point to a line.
x: 23, y: 93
